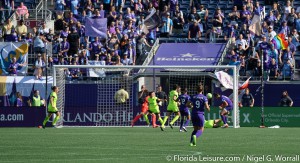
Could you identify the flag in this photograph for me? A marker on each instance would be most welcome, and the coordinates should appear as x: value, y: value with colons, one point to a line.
x: 12, y: 97
x: 96, y: 27
x: 279, y: 41
x: 240, y: 95
x: 255, y: 26
x: 9, y: 50
x: 225, y: 79
x: 245, y: 84
x: 151, y: 21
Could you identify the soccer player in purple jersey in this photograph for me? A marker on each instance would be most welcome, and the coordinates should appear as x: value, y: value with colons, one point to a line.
x: 226, y: 107
x: 184, y: 110
x: 198, y: 102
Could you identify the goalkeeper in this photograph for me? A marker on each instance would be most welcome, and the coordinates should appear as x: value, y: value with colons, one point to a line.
x: 52, y: 109
x: 143, y: 101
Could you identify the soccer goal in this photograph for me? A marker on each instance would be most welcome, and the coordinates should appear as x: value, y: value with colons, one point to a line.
x: 102, y: 83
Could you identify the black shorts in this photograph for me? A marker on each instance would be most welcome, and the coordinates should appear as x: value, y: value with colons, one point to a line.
x: 71, y: 52
x: 152, y: 112
x: 170, y: 111
x: 52, y: 112
x: 39, y: 50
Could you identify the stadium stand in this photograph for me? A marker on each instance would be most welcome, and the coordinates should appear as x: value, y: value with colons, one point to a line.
x: 214, y: 21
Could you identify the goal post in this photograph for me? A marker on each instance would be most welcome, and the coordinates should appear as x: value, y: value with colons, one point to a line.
x: 129, y: 73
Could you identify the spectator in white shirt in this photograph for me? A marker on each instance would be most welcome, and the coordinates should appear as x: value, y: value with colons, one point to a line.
x: 126, y: 60
x: 242, y: 41
x: 270, y: 34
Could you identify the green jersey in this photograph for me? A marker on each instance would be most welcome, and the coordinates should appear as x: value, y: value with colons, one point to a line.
x: 50, y: 107
x: 36, y: 101
x: 172, y: 103
x: 209, y: 124
x: 152, y: 103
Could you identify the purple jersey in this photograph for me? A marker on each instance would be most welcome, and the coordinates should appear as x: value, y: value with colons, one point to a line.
x: 13, y: 68
x: 183, y: 100
x: 198, y: 102
x: 226, y: 99
x: 19, y: 102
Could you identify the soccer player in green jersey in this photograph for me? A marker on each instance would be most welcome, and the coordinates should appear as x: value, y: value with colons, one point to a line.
x: 213, y: 123
x: 154, y: 109
x: 172, y: 107
x: 52, y: 109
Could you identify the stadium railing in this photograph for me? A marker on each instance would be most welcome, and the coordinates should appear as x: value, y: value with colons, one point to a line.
x: 150, y: 54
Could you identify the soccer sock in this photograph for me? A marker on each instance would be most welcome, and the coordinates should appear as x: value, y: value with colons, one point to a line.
x: 160, y: 120
x: 55, y: 120
x: 46, y: 120
x: 186, y: 123
x: 153, y: 120
x: 174, y: 119
x: 137, y: 118
x: 223, y: 119
x: 181, y: 122
x: 165, y: 120
x: 198, y: 133
x: 193, y: 133
x: 146, y: 118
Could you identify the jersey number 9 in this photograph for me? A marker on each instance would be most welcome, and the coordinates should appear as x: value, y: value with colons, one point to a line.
x: 198, y: 104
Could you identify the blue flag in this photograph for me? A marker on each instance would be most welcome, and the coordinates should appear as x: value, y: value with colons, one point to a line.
x: 96, y: 27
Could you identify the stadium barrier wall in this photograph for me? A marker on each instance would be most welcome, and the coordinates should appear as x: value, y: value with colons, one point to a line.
x: 251, y: 117
x: 88, y: 116
x: 22, y: 116
x: 272, y: 92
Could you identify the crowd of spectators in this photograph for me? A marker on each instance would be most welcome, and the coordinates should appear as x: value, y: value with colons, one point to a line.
x: 126, y: 42
x: 247, y: 49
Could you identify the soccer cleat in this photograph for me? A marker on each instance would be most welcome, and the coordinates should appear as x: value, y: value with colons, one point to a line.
x: 162, y: 128
x: 225, y: 126
x: 171, y: 126
x: 57, y: 126
x: 185, y: 130
x: 43, y: 126
x: 192, y: 145
x: 132, y: 123
x: 180, y: 130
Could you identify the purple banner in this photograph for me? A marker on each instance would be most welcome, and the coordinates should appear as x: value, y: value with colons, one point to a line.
x: 96, y: 27
x: 22, y: 116
x: 188, y: 54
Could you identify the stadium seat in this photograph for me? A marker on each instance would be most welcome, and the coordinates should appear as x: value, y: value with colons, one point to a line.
x: 223, y: 2
x: 222, y: 6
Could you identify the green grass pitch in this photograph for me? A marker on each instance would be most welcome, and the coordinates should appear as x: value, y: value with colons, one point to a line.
x: 141, y: 145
